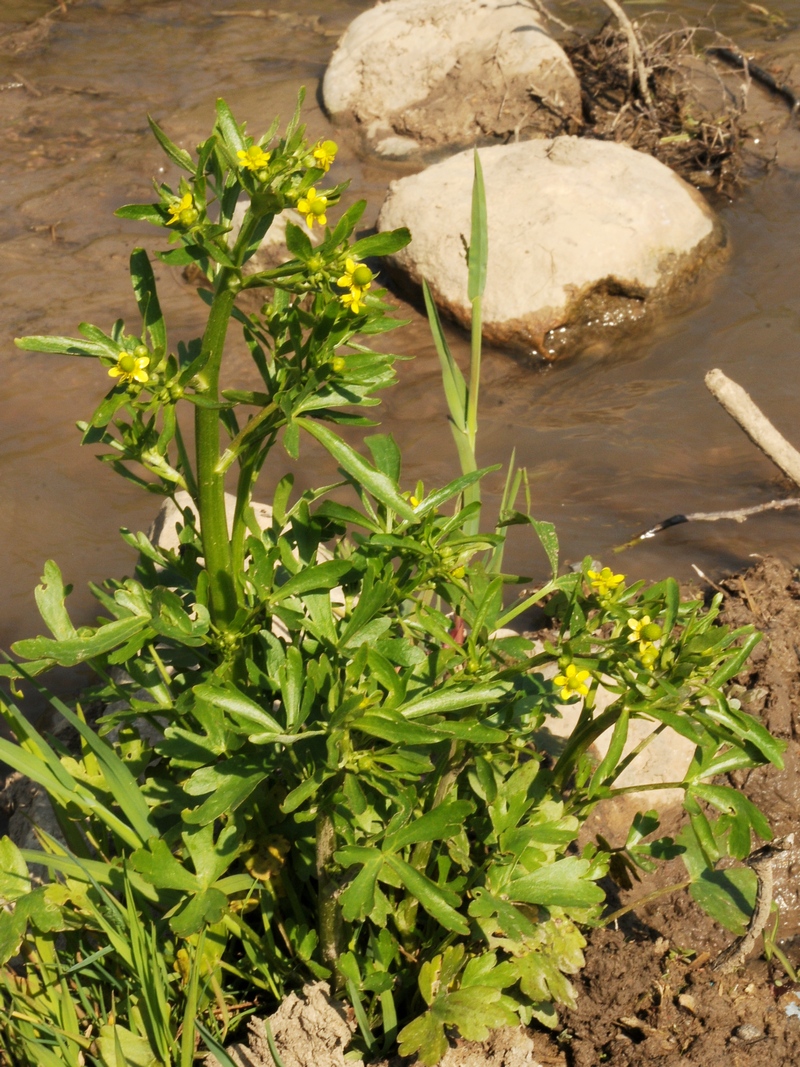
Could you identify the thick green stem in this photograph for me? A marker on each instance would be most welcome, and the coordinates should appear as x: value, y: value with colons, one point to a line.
x: 474, y: 374
x: 210, y: 485
x: 330, y: 916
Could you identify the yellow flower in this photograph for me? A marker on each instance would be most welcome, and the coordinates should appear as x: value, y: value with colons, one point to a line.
x: 604, y: 582
x: 314, y: 208
x: 572, y: 682
x: 353, y: 300
x: 356, y: 276
x: 182, y: 211
x: 636, y: 627
x: 325, y: 153
x: 130, y: 368
x: 253, y: 158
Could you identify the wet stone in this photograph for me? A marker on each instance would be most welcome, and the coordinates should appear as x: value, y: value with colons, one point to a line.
x: 587, y: 240
x: 432, y: 73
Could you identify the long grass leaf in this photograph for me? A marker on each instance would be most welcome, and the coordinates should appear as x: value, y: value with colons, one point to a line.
x: 479, y: 238
x: 455, y: 387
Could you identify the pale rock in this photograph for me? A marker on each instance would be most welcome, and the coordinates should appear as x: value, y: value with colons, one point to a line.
x: 586, y: 238
x: 446, y: 72
x: 665, y: 759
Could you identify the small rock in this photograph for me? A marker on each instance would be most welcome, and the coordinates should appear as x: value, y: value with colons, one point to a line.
x: 445, y: 72
x: 586, y: 239
x: 748, y: 1032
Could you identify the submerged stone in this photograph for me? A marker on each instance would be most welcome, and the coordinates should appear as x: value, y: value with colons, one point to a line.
x: 447, y: 72
x: 586, y: 239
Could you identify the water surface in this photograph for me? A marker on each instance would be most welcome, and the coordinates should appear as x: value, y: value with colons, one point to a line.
x: 612, y: 444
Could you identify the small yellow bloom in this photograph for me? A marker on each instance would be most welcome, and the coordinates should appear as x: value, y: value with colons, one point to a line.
x: 353, y: 300
x: 572, y: 682
x: 325, y: 153
x: 253, y: 158
x: 130, y: 368
x: 604, y: 582
x: 314, y: 208
x: 636, y: 627
x: 182, y: 211
x: 356, y: 276
x: 413, y: 501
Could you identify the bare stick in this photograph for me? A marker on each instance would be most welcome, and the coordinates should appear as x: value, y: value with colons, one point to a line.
x: 761, y: 863
x: 738, y: 515
x: 756, y: 425
x: 540, y: 7
x: 635, y: 55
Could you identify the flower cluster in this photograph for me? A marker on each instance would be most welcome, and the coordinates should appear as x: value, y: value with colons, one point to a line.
x: 605, y: 582
x: 357, y: 278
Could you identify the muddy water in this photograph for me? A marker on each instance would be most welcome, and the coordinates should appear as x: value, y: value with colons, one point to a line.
x: 612, y: 444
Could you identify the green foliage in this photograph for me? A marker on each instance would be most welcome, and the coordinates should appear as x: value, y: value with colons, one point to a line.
x: 319, y: 754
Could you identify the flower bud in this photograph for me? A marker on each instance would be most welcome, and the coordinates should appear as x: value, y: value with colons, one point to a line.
x: 338, y: 364
x: 141, y: 351
x: 188, y: 217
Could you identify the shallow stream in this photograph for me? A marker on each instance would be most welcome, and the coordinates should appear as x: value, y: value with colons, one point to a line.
x: 613, y: 444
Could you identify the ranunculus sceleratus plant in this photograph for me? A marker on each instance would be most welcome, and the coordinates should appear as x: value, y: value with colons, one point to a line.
x: 320, y: 754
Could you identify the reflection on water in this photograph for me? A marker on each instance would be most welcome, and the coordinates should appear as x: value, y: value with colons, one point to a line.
x: 612, y: 444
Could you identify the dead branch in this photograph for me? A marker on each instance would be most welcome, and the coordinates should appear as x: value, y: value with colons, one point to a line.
x: 737, y: 515
x: 635, y: 54
x: 755, y: 424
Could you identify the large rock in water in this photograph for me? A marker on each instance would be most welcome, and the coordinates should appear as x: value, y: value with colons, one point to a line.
x: 586, y: 238
x: 445, y: 72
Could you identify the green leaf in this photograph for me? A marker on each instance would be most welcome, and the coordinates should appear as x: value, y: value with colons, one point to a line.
x: 118, y: 1047
x: 727, y: 896
x: 158, y: 866
x: 385, y: 453
x: 142, y: 213
x: 15, y: 881
x: 376, y: 482
x: 562, y: 884
x: 76, y: 650
x: 50, y: 596
x: 358, y: 899
x: 239, y: 705
x: 430, y: 896
x: 233, y: 788
x: 297, y: 242
x: 511, y: 922
x: 458, y: 485
x: 424, y: 1037
x: 455, y: 388
x: 229, y: 128
x: 546, y: 532
x: 177, y: 155
x: 439, y: 703
x: 144, y: 288
x: 479, y: 237
x: 63, y: 346
x: 442, y: 822
x: 381, y: 244
x: 323, y: 576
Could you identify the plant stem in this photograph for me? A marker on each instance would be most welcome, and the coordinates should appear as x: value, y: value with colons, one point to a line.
x: 330, y: 919
x: 474, y: 373
x: 210, y: 485
x: 644, y: 900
